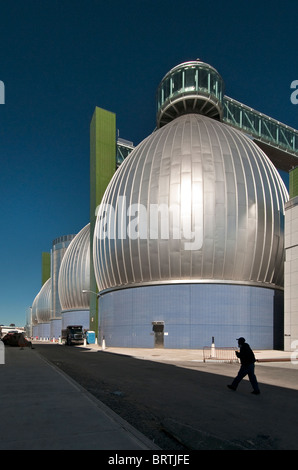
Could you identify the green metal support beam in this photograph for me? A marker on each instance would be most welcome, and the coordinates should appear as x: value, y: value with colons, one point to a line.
x: 102, y: 168
x: 45, y: 267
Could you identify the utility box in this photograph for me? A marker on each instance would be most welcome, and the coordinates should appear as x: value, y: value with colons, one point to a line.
x: 90, y: 337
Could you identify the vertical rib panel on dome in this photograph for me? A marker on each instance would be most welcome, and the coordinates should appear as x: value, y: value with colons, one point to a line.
x: 60, y: 246
x: 44, y: 303
x: 34, y: 311
x: 74, y: 274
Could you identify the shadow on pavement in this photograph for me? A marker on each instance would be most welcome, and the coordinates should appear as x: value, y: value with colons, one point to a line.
x: 194, y: 408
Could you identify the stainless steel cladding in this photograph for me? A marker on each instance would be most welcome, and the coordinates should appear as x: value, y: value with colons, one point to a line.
x: 60, y: 246
x: 74, y: 274
x: 34, y: 311
x: 196, y: 201
x: 44, y: 303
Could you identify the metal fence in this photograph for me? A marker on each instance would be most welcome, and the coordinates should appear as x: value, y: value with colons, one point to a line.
x: 226, y: 354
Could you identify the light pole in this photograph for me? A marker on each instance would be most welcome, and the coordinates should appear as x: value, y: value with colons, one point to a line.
x: 103, y: 342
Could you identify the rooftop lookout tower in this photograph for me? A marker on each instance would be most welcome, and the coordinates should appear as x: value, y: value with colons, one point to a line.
x: 191, y: 87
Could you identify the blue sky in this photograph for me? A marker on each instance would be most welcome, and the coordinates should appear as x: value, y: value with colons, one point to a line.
x: 60, y: 59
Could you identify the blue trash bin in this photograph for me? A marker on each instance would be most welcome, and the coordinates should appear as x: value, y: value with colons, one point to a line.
x: 90, y: 337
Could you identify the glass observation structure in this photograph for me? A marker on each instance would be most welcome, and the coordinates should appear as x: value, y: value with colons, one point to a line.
x: 190, y: 87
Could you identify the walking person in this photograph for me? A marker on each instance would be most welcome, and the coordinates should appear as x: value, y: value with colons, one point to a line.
x: 247, y: 359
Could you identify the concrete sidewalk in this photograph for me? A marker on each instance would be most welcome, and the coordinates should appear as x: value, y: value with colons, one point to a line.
x: 182, y: 355
x: 43, y: 409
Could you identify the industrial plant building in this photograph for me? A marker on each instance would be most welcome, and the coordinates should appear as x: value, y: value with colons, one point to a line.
x: 192, y: 233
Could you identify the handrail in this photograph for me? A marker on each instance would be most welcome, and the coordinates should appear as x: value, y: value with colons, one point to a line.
x: 225, y: 354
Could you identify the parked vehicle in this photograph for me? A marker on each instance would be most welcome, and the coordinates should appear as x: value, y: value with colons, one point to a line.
x: 16, y: 339
x: 73, y: 334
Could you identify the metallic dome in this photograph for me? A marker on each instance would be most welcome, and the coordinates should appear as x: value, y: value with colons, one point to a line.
x: 44, y: 303
x: 74, y: 273
x: 225, y: 202
x: 59, y: 248
x: 34, y: 311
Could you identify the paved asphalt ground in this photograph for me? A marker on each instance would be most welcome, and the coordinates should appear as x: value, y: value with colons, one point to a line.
x: 183, y: 404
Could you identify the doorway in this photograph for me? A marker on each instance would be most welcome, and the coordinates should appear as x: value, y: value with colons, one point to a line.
x: 158, y: 329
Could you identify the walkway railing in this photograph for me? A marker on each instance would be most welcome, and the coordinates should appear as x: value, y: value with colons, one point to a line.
x: 260, y: 126
x: 226, y: 354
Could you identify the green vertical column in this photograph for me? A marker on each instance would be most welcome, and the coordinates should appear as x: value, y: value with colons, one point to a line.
x: 293, y: 177
x: 102, y: 168
x: 45, y: 267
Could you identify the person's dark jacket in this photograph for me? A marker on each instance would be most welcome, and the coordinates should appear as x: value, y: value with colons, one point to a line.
x: 246, y: 354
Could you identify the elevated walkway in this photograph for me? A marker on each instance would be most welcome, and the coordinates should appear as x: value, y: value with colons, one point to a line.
x: 277, y: 140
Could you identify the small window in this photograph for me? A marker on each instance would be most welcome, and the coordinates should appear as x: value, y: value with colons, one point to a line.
x: 166, y: 89
x: 190, y: 79
x: 177, y: 81
x: 203, y: 79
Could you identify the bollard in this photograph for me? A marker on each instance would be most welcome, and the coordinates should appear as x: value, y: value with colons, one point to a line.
x: 103, y: 344
x: 2, y: 353
x: 212, y: 348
